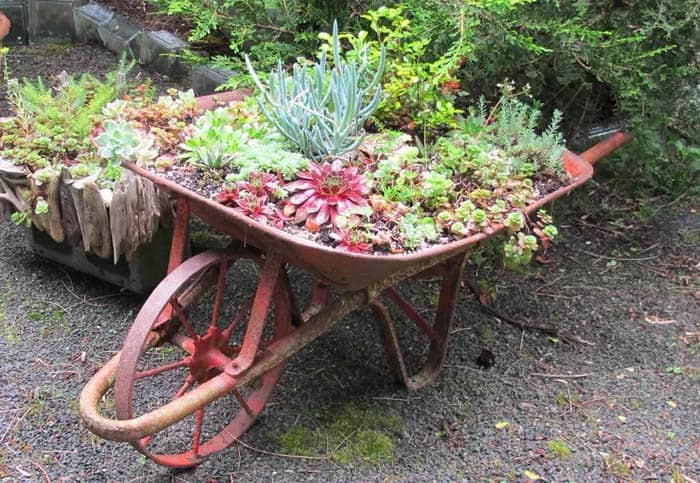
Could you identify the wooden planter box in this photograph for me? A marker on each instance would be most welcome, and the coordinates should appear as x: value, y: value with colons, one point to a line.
x: 121, y: 235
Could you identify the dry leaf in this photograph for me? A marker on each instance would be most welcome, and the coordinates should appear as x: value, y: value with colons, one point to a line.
x: 502, y: 424
x: 531, y: 475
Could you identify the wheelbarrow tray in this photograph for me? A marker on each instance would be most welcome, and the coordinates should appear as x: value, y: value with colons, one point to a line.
x: 343, y: 269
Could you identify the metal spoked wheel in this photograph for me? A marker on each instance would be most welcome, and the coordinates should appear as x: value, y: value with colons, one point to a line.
x: 209, y: 335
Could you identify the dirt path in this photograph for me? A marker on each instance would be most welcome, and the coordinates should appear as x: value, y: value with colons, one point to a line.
x: 623, y: 407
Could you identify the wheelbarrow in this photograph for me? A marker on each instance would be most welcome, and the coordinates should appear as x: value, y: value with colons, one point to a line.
x: 241, y: 358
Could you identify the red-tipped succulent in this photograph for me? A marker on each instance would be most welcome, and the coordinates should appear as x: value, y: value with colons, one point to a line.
x: 228, y: 197
x: 352, y: 240
x: 261, y: 184
x: 324, y: 192
x: 255, y: 207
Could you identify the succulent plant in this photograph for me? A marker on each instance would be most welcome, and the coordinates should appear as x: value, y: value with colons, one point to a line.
x: 322, y: 112
x: 255, y: 205
x: 479, y: 216
x: 415, y: 230
x: 228, y: 197
x: 515, y: 221
x: 325, y: 191
x: 119, y: 141
x: 262, y: 184
x: 214, y: 141
x: 435, y: 188
x: 551, y: 232
x: 518, y: 250
x: 352, y: 239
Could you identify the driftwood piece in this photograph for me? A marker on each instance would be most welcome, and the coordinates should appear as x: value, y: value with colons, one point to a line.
x: 77, y: 189
x: 95, y: 222
x: 121, y: 216
x: 13, y: 186
x: 149, y: 210
x: 134, y: 214
x: 13, y: 196
x: 13, y: 174
x: 53, y: 198
x: 69, y: 218
x: 47, y: 185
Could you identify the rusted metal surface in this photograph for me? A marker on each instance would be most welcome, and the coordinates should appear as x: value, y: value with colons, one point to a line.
x: 219, y: 369
x: 438, y: 334
x: 208, y: 355
x: 269, y: 277
x: 180, y: 230
x: 605, y: 147
x: 212, y: 101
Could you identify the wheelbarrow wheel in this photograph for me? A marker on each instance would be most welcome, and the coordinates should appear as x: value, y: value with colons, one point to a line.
x: 208, y: 334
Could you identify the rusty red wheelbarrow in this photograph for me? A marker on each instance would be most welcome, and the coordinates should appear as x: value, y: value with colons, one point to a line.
x: 210, y: 363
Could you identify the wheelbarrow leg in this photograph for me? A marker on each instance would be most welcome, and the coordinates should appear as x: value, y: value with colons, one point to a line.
x: 177, y: 247
x: 438, y: 334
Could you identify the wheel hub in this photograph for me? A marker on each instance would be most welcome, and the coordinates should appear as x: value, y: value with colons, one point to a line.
x: 210, y: 355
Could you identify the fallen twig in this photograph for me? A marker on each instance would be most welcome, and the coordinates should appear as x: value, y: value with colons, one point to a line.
x: 581, y: 404
x: 561, y: 376
x: 621, y: 259
x: 12, y: 425
x: 541, y: 328
x: 602, y: 228
x: 43, y: 471
x: 281, y: 455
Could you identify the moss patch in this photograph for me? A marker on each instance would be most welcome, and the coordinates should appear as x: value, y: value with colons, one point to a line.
x: 558, y: 448
x: 347, y: 435
x: 298, y: 441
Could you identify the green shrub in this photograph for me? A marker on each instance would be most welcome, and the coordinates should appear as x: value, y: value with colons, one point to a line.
x: 635, y: 61
x: 628, y: 60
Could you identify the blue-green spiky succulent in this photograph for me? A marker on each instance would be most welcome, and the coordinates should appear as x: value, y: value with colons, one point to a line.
x: 321, y: 111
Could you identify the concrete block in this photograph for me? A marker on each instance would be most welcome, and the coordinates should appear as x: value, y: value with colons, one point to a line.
x: 206, y: 78
x: 87, y: 19
x: 141, y: 274
x: 18, y: 13
x: 157, y: 49
x: 51, y: 20
x: 121, y: 36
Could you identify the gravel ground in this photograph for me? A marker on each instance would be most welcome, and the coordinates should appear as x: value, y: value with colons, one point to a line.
x: 625, y: 404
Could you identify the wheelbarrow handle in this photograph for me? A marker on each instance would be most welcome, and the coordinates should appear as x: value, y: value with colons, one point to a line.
x: 605, y: 147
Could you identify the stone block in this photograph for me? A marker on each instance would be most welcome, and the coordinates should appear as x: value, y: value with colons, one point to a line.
x: 87, y: 19
x: 51, y: 20
x: 121, y: 36
x: 141, y: 274
x: 157, y: 49
x: 206, y: 78
x: 18, y: 13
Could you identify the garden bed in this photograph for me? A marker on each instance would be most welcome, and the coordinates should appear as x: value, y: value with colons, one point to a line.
x: 82, y: 220
x: 298, y: 158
